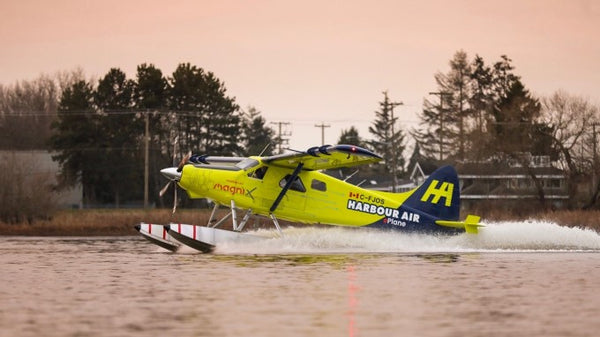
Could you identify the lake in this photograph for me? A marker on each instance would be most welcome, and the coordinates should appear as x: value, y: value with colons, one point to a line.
x: 513, y: 279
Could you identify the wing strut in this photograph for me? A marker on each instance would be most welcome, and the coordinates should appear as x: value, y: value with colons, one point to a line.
x: 286, y: 187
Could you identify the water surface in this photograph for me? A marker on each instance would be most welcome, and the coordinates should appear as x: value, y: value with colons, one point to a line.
x: 533, y: 279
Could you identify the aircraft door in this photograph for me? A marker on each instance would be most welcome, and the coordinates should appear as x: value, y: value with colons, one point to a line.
x: 294, y: 199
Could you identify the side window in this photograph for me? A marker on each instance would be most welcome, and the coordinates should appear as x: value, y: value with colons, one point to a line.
x: 259, y: 173
x: 297, y: 185
x: 318, y: 185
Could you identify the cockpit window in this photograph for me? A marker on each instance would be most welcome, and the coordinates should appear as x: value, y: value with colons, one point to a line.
x: 247, y: 163
x: 297, y: 185
x: 259, y: 173
x: 318, y: 185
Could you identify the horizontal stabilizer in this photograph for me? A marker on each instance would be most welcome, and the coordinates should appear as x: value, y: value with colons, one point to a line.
x: 471, y: 224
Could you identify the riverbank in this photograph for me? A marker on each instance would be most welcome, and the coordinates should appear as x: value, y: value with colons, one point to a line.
x: 105, y: 222
x: 121, y: 222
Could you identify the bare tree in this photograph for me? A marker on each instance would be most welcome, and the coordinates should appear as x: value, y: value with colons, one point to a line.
x: 572, y: 120
x: 25, y: 193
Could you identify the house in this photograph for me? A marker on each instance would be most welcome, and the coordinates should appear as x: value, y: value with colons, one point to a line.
x: 508, y: 182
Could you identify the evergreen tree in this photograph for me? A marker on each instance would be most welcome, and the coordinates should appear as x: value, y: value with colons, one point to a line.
x: 151, y: 88
x: 481, y: 103
x: 388, y: 140
x: 514, y: 125
x: 75, y: 135
x: 207, y: 119
x: 118, y: 147
x: 150, y: 97
x: 444, y: 121
x: 415, y: 157
x: 350, y: 137
x: 257, y: 135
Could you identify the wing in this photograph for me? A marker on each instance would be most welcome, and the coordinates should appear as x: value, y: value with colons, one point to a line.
x: 325, y: 157
x: 207, y: 160
x: 214, y: 162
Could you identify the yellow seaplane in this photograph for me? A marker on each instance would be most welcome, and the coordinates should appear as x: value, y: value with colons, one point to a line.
x: 292, y: 187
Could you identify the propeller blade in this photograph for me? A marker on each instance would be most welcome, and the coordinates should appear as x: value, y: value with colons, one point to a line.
x: 175, y: 200
x: 175, y: 150
x: 164, y: 189
x: 184, y: 161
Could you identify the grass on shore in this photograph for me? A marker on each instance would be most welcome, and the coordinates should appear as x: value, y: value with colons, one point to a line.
x: 106, y: 222
x: 121, y: 222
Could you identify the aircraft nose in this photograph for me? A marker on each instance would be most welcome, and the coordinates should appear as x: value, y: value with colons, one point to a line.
x: 171, y: 173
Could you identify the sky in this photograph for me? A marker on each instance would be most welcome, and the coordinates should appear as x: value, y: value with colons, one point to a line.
x: 309, y: 62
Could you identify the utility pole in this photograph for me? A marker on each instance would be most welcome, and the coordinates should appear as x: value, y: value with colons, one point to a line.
x: 391, y: 106
x: 322, y: 126
x: 441, y: 94
x: 146, y: 157
x: 281, y: 134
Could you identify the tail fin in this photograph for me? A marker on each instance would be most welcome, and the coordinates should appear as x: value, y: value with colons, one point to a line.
x: 438, y: 196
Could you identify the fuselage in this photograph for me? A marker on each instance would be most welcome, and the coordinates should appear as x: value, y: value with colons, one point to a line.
x: 313, y: 198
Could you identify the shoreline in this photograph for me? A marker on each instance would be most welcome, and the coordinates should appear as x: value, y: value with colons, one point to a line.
x: 121, y: 222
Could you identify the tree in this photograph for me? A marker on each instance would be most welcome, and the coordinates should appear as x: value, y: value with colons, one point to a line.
x: 118, y: 148
x: 74, y: 139
x: 481, y: 103
x: 417, y: 157
x: 573, y: 133
x: 455, y: 84
x: 389, y: 141
x: 150, y: 99
x: 514, y: 121
x: 516, y: 133
x: 27, y: 110
x: 206, y: 118
x: 256, y: 135
x: 351, y: 137
x: 26, y: 194
x: 445, y: 120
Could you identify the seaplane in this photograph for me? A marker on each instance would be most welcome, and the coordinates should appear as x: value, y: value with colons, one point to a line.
x: 293, y: 187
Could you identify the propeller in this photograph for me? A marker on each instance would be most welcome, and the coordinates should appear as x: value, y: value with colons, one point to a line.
x: 173, y: 174
x: 184, y: 161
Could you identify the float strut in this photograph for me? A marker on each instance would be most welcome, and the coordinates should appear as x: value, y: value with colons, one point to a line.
x: 233, y: 215
x: 276, y: 223
x: 212, y: 214
x: 221, y: 221
x: 244, y: 220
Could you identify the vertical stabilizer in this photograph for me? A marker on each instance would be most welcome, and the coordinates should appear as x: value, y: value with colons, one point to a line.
x: 438, y: 196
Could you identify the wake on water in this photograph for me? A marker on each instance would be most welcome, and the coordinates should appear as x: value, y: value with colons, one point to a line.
x: 526, y: 236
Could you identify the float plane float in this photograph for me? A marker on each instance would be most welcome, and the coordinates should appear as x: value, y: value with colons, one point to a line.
x: 292, y: 187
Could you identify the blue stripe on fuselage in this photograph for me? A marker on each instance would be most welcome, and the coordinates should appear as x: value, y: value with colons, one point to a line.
x: 412, y: 220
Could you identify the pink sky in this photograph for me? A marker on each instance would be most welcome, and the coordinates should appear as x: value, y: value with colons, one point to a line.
x: 309, y: 61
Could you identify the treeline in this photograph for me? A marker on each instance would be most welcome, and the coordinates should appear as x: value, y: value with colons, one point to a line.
x: 97, y: 129
x: 481, y: 112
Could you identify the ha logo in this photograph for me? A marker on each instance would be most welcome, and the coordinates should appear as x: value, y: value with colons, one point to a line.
x: 443, y: 191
